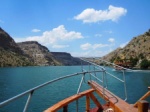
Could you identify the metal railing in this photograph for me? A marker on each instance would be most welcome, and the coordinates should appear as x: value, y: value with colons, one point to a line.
x: 30, y: 92
x: 91, y: 73
x: 92, y: 62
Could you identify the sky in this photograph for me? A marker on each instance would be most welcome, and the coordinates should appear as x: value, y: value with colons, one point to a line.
x: 83, y: 28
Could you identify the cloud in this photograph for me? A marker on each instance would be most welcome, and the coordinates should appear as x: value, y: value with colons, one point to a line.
x: 92, y: 50
x: 89, y: 53
x: 110, y: 32
x: 95, y: 46
x: 98, y: 35
x: 35, y: 30
x: 60, y: 46
x: 91, y: 15
x: 53, y: 37
x: 111, y: 40
x: 88, y: 46
x: 124, y: 44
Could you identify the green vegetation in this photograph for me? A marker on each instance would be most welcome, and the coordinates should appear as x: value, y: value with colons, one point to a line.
x: 141, y: 56
x: 112, y: 59
x: 8, y: 58
x: 133, y: 61
x: 148, y: 33
x: 136, y: 54
x: 145, y: 64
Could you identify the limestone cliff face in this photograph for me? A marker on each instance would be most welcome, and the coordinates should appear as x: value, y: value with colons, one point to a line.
x: 30, y: 53
x: 139, y: 45
x: 112, y: 54
x: 10, y: 53
x: 38, y: 53
x: 66, y: 58
x: 7, y: 43
x: 138, y: 48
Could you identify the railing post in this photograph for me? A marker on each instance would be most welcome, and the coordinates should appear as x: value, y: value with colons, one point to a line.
x: 28, y: 101
x: 87, y: 103
x: 105, y: 79
x: 89, y: 70
x: 65, y: 108
x: 143, y: 106
x: 125, y: 88
x: 77, y: 109
x: 103, y: 83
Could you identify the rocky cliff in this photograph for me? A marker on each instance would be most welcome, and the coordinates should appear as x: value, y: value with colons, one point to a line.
x: 66, y: 58
x: 42, y: 56
x: 38, y: 53
x: 10, y: 53
x: 137, y: 49
x: 30, y: 53
x: 7, y: 43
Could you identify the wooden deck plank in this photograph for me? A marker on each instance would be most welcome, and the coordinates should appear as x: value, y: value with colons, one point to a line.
x: 95, y: 101
x: 68, y: 100
x: 118, y: 104
x: 87, y: 103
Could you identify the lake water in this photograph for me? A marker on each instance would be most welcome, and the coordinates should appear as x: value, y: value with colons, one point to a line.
x: 19, y: 79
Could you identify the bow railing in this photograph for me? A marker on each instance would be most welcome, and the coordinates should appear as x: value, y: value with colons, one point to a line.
x: 92, y: 71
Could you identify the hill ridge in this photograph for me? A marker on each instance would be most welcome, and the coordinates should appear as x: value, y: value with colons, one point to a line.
x: 138, y: 49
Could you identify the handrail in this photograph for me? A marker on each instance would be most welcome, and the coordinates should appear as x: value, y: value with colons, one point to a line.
x: 68, y: 100
x: 31, y: 91
x: 93, y: 63
x: 101, y: 67
x: 143, y: 97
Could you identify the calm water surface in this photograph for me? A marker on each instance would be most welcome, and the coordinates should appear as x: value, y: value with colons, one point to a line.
x: 16, y: 80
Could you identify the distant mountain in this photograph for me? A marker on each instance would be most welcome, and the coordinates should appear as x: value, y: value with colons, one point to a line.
x: 30, y: 53
x: 66, y: 58
x: 138, y: 49
x: 10, y: 53
x: 42, y: 56
x: 38, y: 53
x: 7, y: 43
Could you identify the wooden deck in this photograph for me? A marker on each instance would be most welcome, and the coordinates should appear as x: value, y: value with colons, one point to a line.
x: 113, y: 102
x: 118, y: 104
x: 64, y: 103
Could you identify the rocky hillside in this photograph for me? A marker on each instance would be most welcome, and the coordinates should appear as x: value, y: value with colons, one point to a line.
x: 137, y: 49
x: 30, y: 53
x: 10, y: 53
x: 41, y: 56
x: 38, y: 53
x: 66, y: 58
x: 7, y: 43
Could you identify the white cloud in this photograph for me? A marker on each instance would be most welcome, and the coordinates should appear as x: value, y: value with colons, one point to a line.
x: 53, y: 37
x: 60, y: 46
x: 124, y: 44
x: 98, y: 35
x: 91, y: 15
x: 95, y: 46
x: 35, y: 30
x: 88, y: 46
x: 92, y: 50
x: 111, y: 40
x: 89, y: 53
x: 110, y: 32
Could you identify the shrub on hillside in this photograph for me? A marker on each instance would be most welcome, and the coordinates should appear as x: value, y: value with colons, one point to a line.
x: 145, y: 64
x: 133, y: 61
